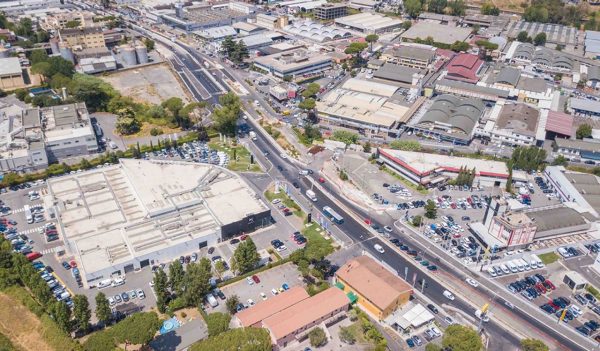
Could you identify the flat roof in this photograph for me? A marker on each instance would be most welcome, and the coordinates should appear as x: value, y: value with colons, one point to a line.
x: 440, y: 33
x: 269, y: 307
x: 290, y: 61
x: 556, y: 218
x: 113, y: 214
x: 422, y: 163
x: 585, y: 104
x: 578, y: 144
x: 519, y: 118
x: 10, y: 66
x: 305, y: 312
x: 373, y: 281
x: 397, y: 73
x: 367, y: 21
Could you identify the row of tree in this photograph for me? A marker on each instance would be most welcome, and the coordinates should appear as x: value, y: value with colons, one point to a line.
x: 538, y: 40
x: 528, y: 158
x: 414, y: 7
x: 554, y: 11
x: 465, y: 176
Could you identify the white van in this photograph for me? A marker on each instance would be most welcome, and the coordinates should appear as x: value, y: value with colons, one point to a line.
x: 498, y: 270
x: 491, y: 271
x: 118, y: 281
x: 211, y: 300
x: 537, y: 260
x: 525, y: 264
x: 519, y: 265
x: 513, y: 268
x: 105, y: 283
x: 504, y: 269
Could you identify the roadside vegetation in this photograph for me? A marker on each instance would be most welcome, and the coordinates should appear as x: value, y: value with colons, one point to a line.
x: 549, y: 257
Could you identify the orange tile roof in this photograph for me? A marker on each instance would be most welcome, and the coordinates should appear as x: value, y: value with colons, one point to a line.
x: 272, y: 305
x: 305, y: 312
x: 373, y: 281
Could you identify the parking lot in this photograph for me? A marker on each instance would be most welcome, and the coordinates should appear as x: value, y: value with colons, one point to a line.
x: 251, y: 292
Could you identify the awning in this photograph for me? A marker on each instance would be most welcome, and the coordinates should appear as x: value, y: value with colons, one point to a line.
x: 353, y: 298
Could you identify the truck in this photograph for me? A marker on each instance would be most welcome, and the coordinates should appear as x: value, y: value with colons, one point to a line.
x: 311, y: 195
x: 252, y: 135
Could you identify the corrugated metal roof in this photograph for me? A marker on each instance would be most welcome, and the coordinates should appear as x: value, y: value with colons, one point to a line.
x: 560, y: 123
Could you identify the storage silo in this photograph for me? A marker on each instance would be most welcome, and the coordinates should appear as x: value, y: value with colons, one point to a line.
x: 67, y: 54
x: 128, y: 55
x: 142, y: 54
x: 54, y: 46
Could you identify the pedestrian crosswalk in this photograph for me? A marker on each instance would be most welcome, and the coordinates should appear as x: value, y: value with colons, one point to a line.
x: 31, y: 230
x: 53, y: 250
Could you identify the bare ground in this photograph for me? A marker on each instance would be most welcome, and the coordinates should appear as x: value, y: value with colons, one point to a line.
x: 22, y: 327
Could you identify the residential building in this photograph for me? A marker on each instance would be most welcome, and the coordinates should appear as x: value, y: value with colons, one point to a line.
x: 255, y: 315
x: 378, y: 291
x: 59, y: 20
x: 82, y: 38
x: 300, y: 62
x: 68, y: 131
x: 410, y: 56
x: 330, y: 11
x: 430, y: 170
x: 296, y: 321
x: 11, y: 73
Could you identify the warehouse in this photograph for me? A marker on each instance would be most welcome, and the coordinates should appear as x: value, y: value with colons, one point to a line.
x: 368, y: 22
x: 440, y: 33
x: 124, y: 217
x: 432, y: 169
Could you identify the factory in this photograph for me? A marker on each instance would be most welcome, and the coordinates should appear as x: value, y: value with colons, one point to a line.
x: 124, y: 217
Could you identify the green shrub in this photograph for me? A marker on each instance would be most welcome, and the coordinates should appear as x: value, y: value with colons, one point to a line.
x: 177, y: 304
x: 156, y: 131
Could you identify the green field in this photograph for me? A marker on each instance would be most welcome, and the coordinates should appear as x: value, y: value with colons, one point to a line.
x: 241, y: 161
x: 549, y: 257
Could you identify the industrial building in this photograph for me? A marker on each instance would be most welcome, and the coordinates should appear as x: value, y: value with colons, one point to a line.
x: 299, y: 62
x: 577, y: 150
x: 368, y: 22
x: 450, y: 118
x: 11, y: 73
x: 555, y: 33
x: 330, y: 11
x: 376, y: 289
x: 584, y: 107
x: 410, y: 56
x: 253, y: 317
x: 363, y: 105
x: 516, y: 125
x: 431, y: 170
x: 592, y: 44
x: 316, y: 31
x: 21, y: 140
x: 578, y: 190
x: 445, y: 34
x: 124, y: 217
x: 271, y: 22
x: 464, y: 67
x: 82, y: 38
x: 406, y: 77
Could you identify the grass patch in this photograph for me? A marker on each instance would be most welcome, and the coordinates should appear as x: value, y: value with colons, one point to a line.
x: 289, y: 203
x: 356, y: 330
x: 6, y: 344
x: 241, y: 162
x: 405, y: 181
x: 593, y: 291
x: 549, y: 257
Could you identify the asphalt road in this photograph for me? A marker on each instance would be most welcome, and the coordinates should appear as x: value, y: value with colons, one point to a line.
x: 434, y: 290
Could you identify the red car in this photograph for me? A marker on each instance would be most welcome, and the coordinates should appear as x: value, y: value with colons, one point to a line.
x: 321, y: 180
x: 255, y: 278
x: 367, y: 221
x: 73, y: 264
x: 33, y: 256
x: 549, y: 283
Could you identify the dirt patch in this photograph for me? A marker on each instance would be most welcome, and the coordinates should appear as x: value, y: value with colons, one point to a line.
x: 147, y: 127
x: 190, y: 313
x: 22, y: 327
x: 150, y: 84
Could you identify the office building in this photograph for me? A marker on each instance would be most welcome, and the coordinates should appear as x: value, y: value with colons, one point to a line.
x: 82, y: 38
x: 330, y: 11
x: 300, y: 62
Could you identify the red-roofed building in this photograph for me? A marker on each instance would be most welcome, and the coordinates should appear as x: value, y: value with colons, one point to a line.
x: 464, y: 67
x: 559, y: 124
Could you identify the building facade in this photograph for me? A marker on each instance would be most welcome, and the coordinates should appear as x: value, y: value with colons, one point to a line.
x: 330, y: 11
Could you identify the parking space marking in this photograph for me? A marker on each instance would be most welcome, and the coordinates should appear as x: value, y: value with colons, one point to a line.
x: 52, y: 250
x: 31, y: 230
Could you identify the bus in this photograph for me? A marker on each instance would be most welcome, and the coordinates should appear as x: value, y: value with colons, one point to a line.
x: 334, y: 216
x: 28, y: 214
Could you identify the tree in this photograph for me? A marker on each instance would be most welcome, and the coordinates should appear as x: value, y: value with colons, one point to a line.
x: 307, y: 104
x: 232, y: 302
x: 509, y: 180
x: 489, y: 8
x: 459, y: 46
x: 457, y: 8
x: 217, y: 323
x: 173, y: 104
x: 461, y: 338
x: 38, y: 56
x: 430, y: 210
x: 93, y: 91
x: 437, y: 6
x: 533, y: 345
x: 317, y: 337
x: 417, y: 220
x: 311, y: 90
x: 355, y: 49
x: 227, y: 45
x: 127, y: 124
x: 367, y: 147
x: 103, y: 312
x: 540, y: 39
x: 197, y: 282
x: 149, y: 43
x: 584, y: 131
x: 560, y: 160
x: 161, y: 284
x: 139, y: 328
x: 61, y: 313
x: 245, y: 257
x: 346, y: 335
x: 371, y: 38
x: 406, y: 24
x: 81, y: 312
x: 220, y: 267
x: 239, y: 53
x: 254, y: 339
x: 522, y: 36
x: 433, y: 347
x: 176, y: 276
x: 413, y: 8
x: 345, y: 136
x: 225, y: 117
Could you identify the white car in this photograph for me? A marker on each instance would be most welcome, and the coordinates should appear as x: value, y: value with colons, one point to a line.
x: 249, y: 281
x: 436, y: 331
x: 140, y: 294
x: 448, y: 295
x: 111, y: 301
x: 387, y: 229
x: 251, y: 302
x: 472, y: 282
x: 263, y: 296
x: 274, y: 292
x: 283, y: 155
x: 281, y: 248
x: 378, y: 248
